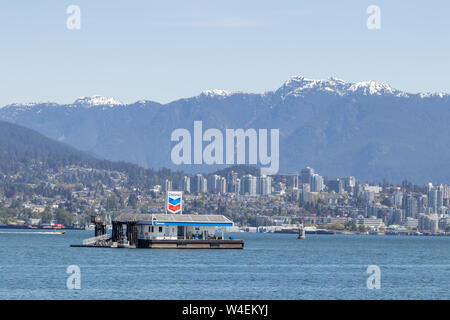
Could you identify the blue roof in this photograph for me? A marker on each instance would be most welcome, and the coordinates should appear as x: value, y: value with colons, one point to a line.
x: 191, y: 220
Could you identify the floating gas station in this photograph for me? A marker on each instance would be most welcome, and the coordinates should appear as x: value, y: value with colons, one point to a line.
x: 166, y: 230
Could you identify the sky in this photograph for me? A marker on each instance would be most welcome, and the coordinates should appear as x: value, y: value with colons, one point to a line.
x: 166, y: 50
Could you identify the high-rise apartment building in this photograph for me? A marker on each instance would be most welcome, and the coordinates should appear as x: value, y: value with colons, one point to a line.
x: 248, y: 185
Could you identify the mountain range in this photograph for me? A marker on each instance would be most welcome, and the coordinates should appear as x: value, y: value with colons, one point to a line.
x: 366, y: 129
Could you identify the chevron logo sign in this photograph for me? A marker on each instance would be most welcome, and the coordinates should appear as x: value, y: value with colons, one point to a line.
x: 174, y: 201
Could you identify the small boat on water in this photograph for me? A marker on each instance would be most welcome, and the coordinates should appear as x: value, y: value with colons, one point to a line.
x: 46, y: 226
x: 32, y: 232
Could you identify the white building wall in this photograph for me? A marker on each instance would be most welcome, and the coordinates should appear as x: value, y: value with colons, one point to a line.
x: 149, y: 232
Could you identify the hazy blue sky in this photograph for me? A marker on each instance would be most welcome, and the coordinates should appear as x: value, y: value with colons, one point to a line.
x: 164, y: 50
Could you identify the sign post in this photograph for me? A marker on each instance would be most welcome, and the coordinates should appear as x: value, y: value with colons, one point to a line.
x: 174, y: 202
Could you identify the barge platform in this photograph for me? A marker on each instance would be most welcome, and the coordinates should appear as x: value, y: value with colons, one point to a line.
x: 173, y: 244
x: 163, y: 231
x: 192, y: 244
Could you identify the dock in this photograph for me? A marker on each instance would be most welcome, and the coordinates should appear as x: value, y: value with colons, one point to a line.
x: 163, y: 231
x: 175, y: 244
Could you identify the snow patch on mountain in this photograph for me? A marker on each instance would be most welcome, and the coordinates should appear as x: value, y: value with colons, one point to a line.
x: 299, y: 85
x: 434, y: 95
x: 296, y: 86
x: 32, y: 104
x: 96, y: 100
x: 216, y: 93
x: 376, y: 88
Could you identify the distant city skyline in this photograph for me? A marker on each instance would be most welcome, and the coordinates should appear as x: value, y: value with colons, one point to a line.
x: 166, y: 51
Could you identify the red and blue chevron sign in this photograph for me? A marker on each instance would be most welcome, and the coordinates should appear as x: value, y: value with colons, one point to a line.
x: 174, y: 201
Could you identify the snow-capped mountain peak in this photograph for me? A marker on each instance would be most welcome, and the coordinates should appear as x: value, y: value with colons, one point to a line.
x: 31, y: 104
x: 299, y: 85
x: 216, y: 93
x: 96, y: 100
x: 374, y: 88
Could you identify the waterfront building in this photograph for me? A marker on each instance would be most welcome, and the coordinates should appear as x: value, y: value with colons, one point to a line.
x: 372, y: 222
x: 181, y: 231
x: 306, y: 187
x: 295, y: 181
x: 249, y: 183
x: 410, y: 206
x: 280, y: 188
x: 156, y: 188
x: 33, y: 221
x: 398, y: 217
x: 331, y: 199
x: 264, y: 185
x: 435, y: 198
x: 336, y: 185
x: 434, y: 223
x: 446, y: 195
x: 238, y: 186
x: 331, y: 220
x: 446, y: 192
x: 222, y: 185
x: 369, y: 196
x: 374, y: 189
x: 349, y: 184
x: 200, y: 184
x: 296, y: 194
x: 306, y: 175
x: 444, y: 222
x: 167, y: 185
x: 429, y: 222
x: 258, y: 185
x: 214, y: 183
x: 311, y: 197
x: 233, y: 183
x: 317, y: 184
x: 397, y: 199
x: 422, y: 203
x: 164, y: 230
x: 186, y: 184
x: 411, y: 223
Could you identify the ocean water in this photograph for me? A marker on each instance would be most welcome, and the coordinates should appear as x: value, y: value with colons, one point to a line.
x: 272, y: 266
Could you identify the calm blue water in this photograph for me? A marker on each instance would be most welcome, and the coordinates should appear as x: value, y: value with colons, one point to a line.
x: 272, y: 266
